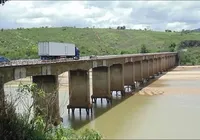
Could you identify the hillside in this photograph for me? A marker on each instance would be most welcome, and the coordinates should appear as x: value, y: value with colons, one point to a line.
x: 22, y: 43
x: 196, y: 30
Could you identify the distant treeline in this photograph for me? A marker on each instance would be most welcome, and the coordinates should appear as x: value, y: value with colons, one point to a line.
x: 189, y: 43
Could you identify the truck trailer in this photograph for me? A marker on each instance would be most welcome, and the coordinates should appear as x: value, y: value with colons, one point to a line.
x: 57, y: 50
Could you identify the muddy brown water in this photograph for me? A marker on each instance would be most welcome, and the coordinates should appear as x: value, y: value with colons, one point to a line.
x: 167, y: 108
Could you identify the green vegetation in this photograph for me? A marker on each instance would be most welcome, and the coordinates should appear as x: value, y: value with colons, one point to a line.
x: 144, y: 49
x: 22, y: 43
x: 191, y: 56
x: 172, y: 47
x: 24, y: 127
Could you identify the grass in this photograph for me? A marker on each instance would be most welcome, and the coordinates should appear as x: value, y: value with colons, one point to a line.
x: 22, y: 43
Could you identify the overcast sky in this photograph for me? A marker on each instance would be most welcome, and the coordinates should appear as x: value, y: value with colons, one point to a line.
x: 158, y: 15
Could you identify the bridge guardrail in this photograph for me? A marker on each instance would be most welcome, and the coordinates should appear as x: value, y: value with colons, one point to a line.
x: 36, y: 61
x: 31, y: 62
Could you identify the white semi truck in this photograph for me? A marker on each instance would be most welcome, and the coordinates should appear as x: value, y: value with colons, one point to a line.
x: 57, y: 50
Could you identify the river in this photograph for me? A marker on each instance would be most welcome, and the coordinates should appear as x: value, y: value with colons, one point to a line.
x: 168, y: 107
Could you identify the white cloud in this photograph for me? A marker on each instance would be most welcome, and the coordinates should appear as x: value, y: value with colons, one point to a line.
x: 177, y: 25
x: 158, y: 15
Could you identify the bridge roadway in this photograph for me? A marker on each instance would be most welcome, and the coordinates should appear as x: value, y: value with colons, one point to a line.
x: 109, y: 73
x: 22, y: 62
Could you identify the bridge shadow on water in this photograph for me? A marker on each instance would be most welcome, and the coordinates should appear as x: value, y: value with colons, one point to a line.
x: 78, y: 120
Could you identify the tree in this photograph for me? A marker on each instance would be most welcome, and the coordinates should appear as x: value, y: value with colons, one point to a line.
x: 123, y: 27
x: 168, y: 30
x: 144, y: 49
x: 3, y: 1
x: 172, y: 47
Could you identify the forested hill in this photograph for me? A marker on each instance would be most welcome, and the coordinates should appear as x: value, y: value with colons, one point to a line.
x: 22, y: 43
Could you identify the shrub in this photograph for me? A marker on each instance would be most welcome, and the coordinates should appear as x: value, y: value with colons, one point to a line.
x: 15, y: 126
x: 144, y: 49
x: 21, y: 126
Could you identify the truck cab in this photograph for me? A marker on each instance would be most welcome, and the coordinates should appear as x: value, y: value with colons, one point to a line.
x: 77, y: 54
x: 3, y: 59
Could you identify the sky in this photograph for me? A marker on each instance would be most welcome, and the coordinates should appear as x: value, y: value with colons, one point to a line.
x: 155, y: 15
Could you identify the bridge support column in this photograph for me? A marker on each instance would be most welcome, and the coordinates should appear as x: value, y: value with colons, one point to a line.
x: 155, y: 67
x: 171, y: 65
x: 145, y: 69
x: 170, y: 62
x: 138, y: 72
x: 101, y: 84
x: 129, y: 75
x: 151, y: 72
x: 48, y: 105
x: 159, y: 65
x: 163, y: 64
x: 166, y: 63
x: 117, y: 78
x: 79, y: 93
x: 176, y: 61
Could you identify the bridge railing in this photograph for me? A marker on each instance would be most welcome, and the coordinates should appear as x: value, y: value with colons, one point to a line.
x: 33, y: 62
x: 37, y: 61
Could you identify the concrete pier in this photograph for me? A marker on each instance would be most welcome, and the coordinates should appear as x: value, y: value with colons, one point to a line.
x: 48, y: 105
x: 138, y: 71
x: 159, y: 65
x: 129, y: 75
x: 164, y: 64
x: 175, y: 61
x: 170, y: 61
x: 117, y: 78
x: 167, y: 63
x: 79, y: 93
x: 145, y: 69
x: 156, y: 70
x: 151, y: 66
x: 101, y: 84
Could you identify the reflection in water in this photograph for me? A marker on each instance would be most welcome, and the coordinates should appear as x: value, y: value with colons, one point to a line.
x: 174, y: 114
x: 77, y: 121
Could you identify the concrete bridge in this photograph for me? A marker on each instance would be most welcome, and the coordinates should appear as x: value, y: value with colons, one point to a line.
x: 109, y: 73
